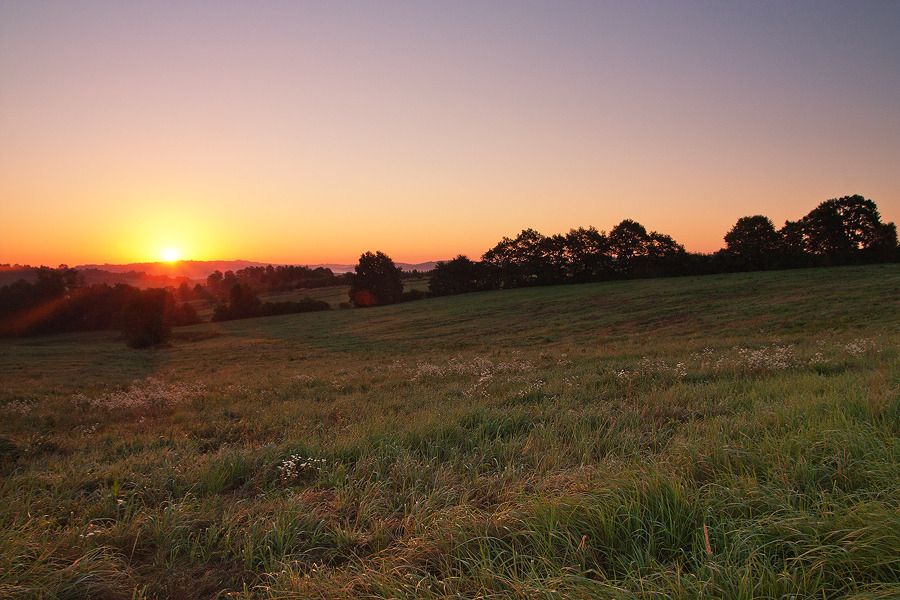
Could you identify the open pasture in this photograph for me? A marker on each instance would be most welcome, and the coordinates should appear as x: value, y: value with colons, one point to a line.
x: 730, y: 436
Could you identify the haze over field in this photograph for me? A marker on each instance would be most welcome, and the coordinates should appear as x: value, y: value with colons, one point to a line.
x: 194, y: 269
x: 303, y: 133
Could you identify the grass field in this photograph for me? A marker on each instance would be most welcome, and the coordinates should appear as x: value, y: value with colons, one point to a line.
x: 730, y: 436
x: 333, y: 295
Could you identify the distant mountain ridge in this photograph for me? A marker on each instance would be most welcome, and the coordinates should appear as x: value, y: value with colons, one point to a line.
x: 200, y: 269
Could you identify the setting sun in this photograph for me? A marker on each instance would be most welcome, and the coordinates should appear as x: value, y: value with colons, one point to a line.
x: 170, y: 254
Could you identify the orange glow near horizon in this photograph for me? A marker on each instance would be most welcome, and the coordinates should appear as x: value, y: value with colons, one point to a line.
x: 309, y: 133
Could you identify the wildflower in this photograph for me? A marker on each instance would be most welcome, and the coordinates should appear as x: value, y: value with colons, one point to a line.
x: 767, y: 358
x: 88, y: 430
x: 530, y: 389
x: 295, y: 465
x: 19, y: 406
x: 150, y: 393
x: 859, y: 347
x: 818, y: 359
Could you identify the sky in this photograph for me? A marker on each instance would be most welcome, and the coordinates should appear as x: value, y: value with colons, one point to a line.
x: 309, y: 132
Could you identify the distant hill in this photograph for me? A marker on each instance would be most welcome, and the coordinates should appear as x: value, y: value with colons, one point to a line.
x: 190, y: 269
x: 159, y: 274
x: 339, y: 268
x: 12, y: 273
x: 200, y: 269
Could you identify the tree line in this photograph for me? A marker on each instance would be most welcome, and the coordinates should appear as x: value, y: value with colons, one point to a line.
x: 840, y: 231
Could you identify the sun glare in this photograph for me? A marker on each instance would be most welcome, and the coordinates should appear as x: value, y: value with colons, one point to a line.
x: 171, y: 254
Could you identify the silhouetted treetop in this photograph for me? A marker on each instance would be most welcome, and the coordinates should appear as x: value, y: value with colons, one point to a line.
x: 842, y: 226
x: 376, y: 281
x: 754, y: 242
x: 458, y: 276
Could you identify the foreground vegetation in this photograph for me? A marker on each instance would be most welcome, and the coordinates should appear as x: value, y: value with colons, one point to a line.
x: 727, y: 436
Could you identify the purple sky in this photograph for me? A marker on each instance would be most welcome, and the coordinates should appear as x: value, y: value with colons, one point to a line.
x: 309, y: 132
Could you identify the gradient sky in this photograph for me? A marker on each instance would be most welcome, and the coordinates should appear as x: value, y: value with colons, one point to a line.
x: 310, y: 132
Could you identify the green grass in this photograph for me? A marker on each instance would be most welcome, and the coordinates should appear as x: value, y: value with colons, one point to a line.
x: 575, y: 441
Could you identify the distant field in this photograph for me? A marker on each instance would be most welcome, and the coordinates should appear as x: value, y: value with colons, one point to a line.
x: 333, y: 295
x: 730, y: 436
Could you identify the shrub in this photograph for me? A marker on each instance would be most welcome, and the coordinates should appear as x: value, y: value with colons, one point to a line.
x: 144, y: 322
x: 376, y: 281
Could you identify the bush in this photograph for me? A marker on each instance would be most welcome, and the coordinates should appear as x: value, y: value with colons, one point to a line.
x: 184, y: 314
x: 376, y: 281
x: 144, y: 322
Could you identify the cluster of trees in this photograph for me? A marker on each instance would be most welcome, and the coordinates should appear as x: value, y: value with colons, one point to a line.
x: 581, y: 255
x: 57, y: 301
x: 269, y: 279
x: 244, y: 303
x: 844, y: 230
x: 629, y: 250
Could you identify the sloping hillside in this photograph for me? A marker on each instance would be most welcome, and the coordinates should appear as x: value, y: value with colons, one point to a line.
x: 724, y: 436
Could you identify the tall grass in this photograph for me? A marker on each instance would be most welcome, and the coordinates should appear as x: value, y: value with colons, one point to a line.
x: 730, y: 436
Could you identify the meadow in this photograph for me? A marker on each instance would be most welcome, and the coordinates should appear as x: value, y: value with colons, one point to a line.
x: 728, y: 436
x: 335, y: 295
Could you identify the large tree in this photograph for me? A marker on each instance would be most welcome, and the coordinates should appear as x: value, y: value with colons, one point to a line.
x: 754, y: 242
x: 376, y: 280
x: 842, y: 226
x: 628, y: 239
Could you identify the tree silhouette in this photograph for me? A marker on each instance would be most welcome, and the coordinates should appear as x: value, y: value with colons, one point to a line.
x: 886, y: 246
x: 214, y: 281
x: 457, y: 276
x: 553, y: 260
x: 842, y: 226
x: 587, y: 252
x: 628, y: 239
x: 144, y: 319
x: 519, y: 261
x: 754, y: 242
x: 376, y: 281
